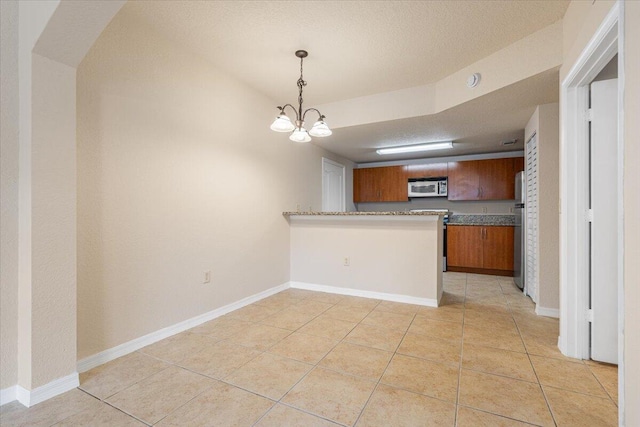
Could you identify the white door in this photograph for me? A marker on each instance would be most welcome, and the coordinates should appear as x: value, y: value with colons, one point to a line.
x: 604, y: 202
x: 531, y: 220
x: 332, y: 186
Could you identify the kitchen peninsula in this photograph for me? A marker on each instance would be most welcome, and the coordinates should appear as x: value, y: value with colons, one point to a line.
x: 395, y: 256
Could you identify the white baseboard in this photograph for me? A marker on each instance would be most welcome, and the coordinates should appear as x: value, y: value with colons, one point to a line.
x: 32, y: 397
x: 548, y: 312
x: 8, y: 395
x: 365, y: 294
x: 136, y: 344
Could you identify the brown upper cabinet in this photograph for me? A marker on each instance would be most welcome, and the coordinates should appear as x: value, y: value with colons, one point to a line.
x: 433, y: 170
x: 492, y: 179
x: 385, y: 184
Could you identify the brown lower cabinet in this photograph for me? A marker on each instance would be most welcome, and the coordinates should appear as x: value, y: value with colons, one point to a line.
x: 480, y: 249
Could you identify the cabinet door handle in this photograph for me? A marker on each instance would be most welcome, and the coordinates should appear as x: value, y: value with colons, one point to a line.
x: 478, y: 195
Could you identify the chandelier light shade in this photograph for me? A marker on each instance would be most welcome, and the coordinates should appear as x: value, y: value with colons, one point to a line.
x: 300, y: 135
x: 283, y: 123
x: 320, y: 129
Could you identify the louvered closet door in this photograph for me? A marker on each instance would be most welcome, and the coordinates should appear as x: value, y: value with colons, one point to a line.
x: 531, y: 209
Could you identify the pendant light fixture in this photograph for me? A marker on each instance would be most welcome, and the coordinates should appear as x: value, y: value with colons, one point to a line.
x: 283, y: 123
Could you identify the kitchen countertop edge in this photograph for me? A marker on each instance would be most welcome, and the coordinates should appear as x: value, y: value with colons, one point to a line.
x: 477, y: 224
x: 391, y: 213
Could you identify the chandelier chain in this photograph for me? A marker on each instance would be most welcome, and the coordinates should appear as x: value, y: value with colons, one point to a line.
x: 301, y: 84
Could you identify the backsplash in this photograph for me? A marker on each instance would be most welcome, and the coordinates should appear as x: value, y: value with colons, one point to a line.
x: 499, y: 207
x: 482, y: 219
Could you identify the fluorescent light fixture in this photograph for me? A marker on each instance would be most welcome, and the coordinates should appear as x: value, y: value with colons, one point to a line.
x: 417, y: 147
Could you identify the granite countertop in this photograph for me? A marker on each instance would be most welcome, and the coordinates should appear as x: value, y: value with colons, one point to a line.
x: 488, y: 220
x: 396, y: 213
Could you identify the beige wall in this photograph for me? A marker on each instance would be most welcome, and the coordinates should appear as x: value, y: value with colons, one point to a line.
x: 9, y: 194
x: 178, y: 173
x: 396, y: 255
x: 545, y: 123
x: 631, y: 210
x: 53, y: 222
x: 46, y: 204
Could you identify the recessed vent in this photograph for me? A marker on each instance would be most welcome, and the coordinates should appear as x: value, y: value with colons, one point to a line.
x: 509, y: 142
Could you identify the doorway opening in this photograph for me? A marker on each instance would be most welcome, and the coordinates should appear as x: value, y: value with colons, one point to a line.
x: 590, y: 212
x: 333, y: 186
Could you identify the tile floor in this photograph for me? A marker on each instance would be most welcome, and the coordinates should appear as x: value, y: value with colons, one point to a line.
x: 302, y: 358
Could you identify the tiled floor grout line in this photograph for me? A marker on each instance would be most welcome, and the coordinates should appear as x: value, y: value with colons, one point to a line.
x: 108, y: 404
x: 314, y: 366
x: 544, y: 395
x: 464, y: 314
x: 599, y: 383
x: 497, y: 415
x: 177, y: 365
x: 127, y: 414
x: 288, y: 405
x: 343, y: 341
x: 131, y: 385
x: 582, y: 393
x: 526, y: 352
x: 317, y: 364
x: 513, y: 308
x: 79, y: 412
x: 260, y: 352
x: 385, y: 370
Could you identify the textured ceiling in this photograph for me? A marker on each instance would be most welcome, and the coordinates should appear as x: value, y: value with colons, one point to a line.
x: 356, y: 48
x: 477, y: 126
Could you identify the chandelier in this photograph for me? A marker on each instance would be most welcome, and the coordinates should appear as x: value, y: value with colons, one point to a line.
x: 283, y: 123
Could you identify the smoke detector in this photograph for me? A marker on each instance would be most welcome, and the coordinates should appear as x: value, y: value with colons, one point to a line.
x: 473, y: 80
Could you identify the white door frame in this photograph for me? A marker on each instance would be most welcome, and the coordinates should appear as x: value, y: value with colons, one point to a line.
x: 343, y: 203
x: 574, y: 190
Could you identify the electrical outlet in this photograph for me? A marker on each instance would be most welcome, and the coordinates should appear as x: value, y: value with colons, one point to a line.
x: 511, y: 210
x: 206, y: 277
x: 484, y: 209
x: 346, y: 261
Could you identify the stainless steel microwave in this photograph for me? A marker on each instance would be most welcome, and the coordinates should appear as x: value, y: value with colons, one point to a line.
x: 428, y: 187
